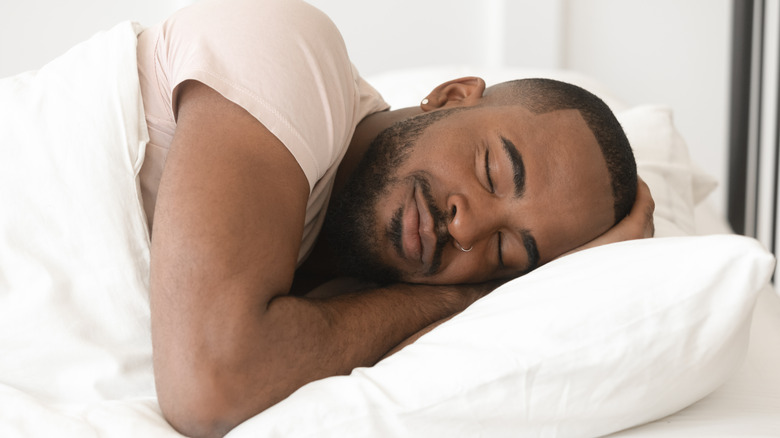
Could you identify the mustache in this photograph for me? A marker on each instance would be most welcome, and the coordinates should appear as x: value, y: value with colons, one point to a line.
x: 440, y: 221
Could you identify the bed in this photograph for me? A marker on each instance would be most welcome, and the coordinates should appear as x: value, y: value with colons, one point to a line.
x: 672, y: 336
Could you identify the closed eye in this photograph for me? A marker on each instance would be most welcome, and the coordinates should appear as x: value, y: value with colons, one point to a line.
x: 487, y: 171
x: 493, y: 190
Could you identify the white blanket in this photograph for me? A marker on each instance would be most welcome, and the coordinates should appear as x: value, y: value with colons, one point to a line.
x: 74, y: 247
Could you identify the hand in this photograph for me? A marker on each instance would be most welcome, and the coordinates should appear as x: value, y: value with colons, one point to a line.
x: 637, y: 225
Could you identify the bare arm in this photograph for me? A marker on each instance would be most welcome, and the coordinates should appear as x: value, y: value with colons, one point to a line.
x: 228, y: 340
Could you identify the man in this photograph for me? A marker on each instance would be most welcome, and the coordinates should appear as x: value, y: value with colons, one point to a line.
x: 257, y: 115
x: 504, y: 141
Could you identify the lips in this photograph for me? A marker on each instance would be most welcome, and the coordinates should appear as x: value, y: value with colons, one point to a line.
x: 418, y: 237
x: 410, y: 235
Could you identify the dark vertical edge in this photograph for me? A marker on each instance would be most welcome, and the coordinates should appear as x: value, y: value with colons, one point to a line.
x: 777, y: 150
x: 757, y: 117
x: 742, y: 33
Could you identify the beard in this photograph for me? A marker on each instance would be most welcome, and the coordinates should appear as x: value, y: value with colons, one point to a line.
x: 350, y: 223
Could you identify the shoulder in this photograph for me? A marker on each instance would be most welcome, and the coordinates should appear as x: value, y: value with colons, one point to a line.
x: 283, y: 61
x: 252, y: 19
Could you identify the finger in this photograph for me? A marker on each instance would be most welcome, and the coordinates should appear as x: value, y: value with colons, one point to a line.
x: 644, y: 198
x: 647, y: 204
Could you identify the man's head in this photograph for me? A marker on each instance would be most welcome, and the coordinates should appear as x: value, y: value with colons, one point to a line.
x: 487, y: 183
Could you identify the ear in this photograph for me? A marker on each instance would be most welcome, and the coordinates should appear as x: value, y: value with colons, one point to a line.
x: 457, y: 92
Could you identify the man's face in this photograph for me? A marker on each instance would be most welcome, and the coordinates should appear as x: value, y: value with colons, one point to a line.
x: 514, y: 188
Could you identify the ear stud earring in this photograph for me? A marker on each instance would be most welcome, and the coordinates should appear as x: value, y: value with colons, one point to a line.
x: 424, y: 101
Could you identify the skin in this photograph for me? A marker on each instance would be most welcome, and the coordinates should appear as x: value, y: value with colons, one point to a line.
x: 229, y: 339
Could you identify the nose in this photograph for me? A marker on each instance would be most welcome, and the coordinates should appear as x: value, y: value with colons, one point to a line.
x: 471, y: 221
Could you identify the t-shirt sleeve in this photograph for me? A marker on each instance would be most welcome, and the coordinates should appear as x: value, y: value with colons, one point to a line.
x: 283, y: 61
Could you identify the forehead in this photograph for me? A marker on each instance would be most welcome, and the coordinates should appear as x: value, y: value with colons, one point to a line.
x: 552, y: 133
x: 564, y: 123
x: 561, y: 143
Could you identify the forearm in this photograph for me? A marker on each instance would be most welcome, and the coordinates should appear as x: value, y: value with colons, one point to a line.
x: 417, y: 335
x: 364, y: 326
x: 265, y: 356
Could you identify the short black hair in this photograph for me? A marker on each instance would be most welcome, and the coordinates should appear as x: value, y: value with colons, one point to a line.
x: 541, y: 96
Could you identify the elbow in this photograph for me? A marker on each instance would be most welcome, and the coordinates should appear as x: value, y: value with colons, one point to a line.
x: 210, y: 402
x: 196, y: 428
x: 198, y: 414
x: 208, y: 397
x: 192, y: 423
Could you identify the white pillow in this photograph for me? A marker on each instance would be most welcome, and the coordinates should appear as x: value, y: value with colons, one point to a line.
x: 586, y: 345
x: 664, y: 164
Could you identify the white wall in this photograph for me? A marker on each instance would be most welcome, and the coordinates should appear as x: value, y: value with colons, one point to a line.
x: 382, y: 35
x: 673, y: 52
x: 32, y: 32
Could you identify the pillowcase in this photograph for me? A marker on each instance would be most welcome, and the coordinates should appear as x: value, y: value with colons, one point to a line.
x: 589, y: 344
x: 664, y: 164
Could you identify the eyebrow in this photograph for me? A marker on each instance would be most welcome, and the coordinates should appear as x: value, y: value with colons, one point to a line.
x: 518, y: 168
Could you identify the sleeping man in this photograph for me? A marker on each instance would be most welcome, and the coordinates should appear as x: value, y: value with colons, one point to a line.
x: 257, y: 117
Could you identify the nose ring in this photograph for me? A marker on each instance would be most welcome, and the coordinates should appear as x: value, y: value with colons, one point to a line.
x: 463, y: 249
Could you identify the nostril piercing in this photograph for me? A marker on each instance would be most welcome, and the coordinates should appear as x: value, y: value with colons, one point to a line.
x: 463, y: 249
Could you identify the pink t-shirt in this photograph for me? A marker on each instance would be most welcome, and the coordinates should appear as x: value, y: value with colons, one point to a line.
x: 283, y: 61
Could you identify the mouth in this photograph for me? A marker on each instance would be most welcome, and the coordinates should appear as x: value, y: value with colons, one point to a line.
x: 426, y: 229
x: 415, y: 228
x: 410, y: 237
